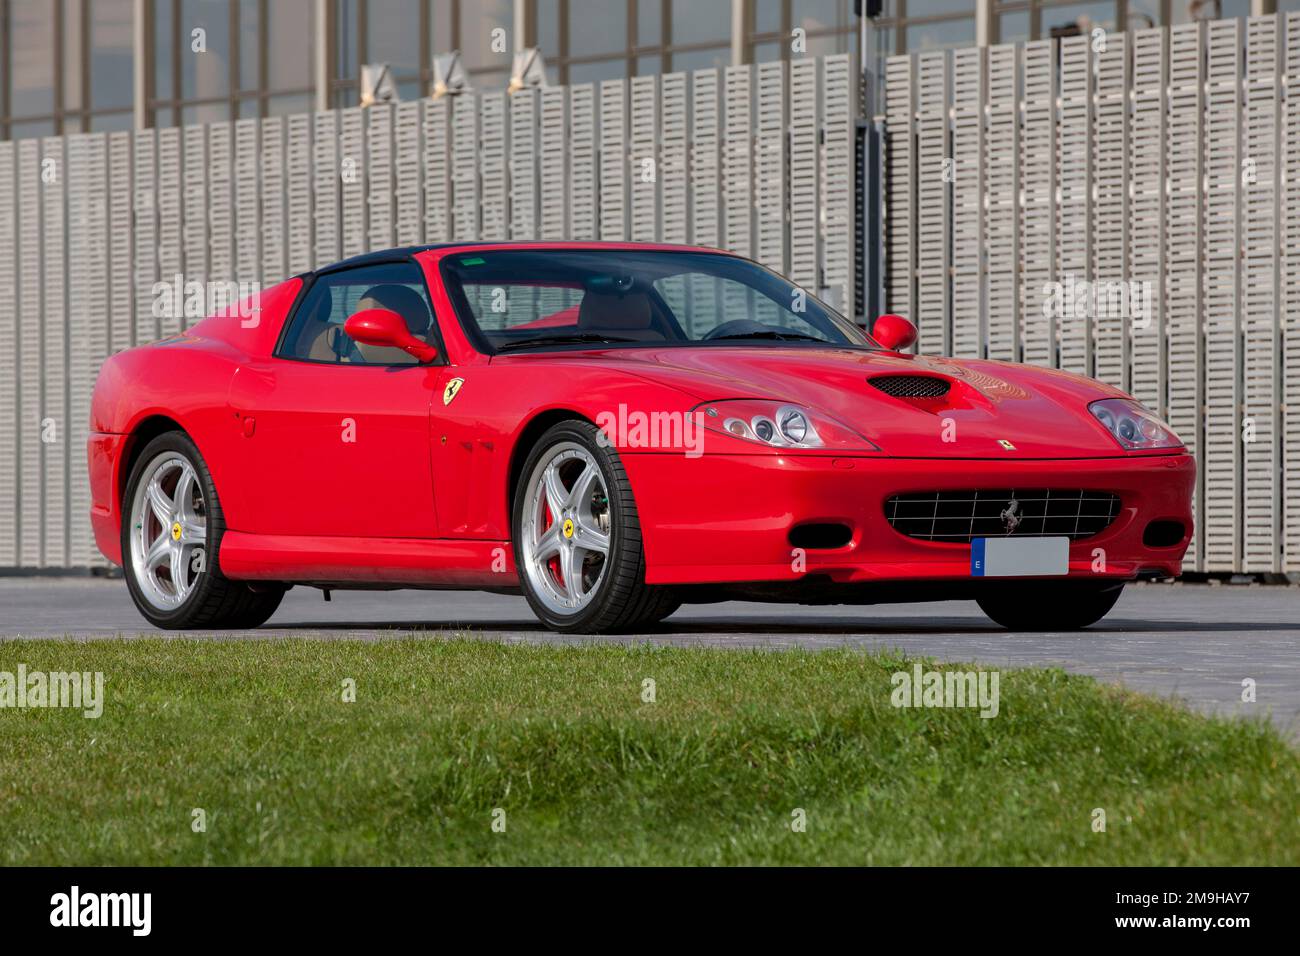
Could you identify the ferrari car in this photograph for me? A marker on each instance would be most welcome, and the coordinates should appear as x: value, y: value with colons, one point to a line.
x: 612, y: 430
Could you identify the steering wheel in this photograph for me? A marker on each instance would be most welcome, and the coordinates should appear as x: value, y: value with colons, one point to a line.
x: 737, y: 327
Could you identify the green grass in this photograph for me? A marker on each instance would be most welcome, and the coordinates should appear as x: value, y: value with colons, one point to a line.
x: 444, y: 732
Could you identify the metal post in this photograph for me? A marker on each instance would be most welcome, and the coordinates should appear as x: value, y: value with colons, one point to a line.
x: 141, y: 57
x: 986, y: 23
x: 520, y: 26
x: 738, y: 32
x: 321, y: 63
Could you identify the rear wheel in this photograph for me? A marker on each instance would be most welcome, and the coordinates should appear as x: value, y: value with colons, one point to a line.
x: 1050, y: 605
x: 577, y: 537
x: 171, y: 534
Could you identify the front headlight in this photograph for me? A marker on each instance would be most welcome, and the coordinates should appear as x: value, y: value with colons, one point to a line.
x: 780, y: 425
x: 1133, y: 426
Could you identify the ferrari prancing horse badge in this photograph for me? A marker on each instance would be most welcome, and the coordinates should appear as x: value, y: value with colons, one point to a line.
x: 450, y: 391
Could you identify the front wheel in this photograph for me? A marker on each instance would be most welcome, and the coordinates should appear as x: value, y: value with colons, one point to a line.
x: 1050, y: 605
x: 171, y: 534
x: 577, y: 537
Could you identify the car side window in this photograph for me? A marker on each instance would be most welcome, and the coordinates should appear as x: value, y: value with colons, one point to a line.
x: 316, y: 333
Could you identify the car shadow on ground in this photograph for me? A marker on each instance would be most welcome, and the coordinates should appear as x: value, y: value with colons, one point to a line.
x: 761, y: 625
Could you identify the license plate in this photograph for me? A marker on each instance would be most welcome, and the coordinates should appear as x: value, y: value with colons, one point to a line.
x: 1019, y: 557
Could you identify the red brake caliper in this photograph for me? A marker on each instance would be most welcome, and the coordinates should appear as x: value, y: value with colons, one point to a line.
x: 553, y: 562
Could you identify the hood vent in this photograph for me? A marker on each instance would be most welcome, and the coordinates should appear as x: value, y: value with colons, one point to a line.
x: 911, y: 386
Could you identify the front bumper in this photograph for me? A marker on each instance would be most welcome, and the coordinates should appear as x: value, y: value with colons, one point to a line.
x: 727, y: 518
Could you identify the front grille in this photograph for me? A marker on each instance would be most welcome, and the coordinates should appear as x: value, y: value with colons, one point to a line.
x: 911, y: 386
x: 959, y: 516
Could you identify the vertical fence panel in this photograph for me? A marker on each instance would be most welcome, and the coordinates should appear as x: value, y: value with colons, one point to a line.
x: 1074, y: 154
x: 253, y: 154
x: 674, y: 159
x: 805, y: 182
x: 438, y: 171
x: 299, y: 215
x: 933, y: 223
x: 523, y: 164
x: 1261, y: 335
x: 220, y: 228
x: 838, y: 182
x: 194, y: 209
x: 380, y: 185
x: 465, y: 163
x: 1040, y: 219
x: 354, y: 162
x: 1222, y: 239
x: 171, y: 260
x: 613, y: 159
x: 55, y: 425
x: 1146, y: 216
x: 408, y: 165
x: 325, y: 194
x: 87, y: 321
x: 967, y: 174
x: 643, y: 158
x: 10, y: 333
x: 1290, y: 292
x: 31, y: 335
x: 121, y: 247
x: 494, y: 134
x: 144, y: 202
x: 738, y: 160
x: 263, y: 206
x: 1108, y: 219
x: 554, y: 174
x: 1184, y: 316
x: 770, y: 172
x: 706, y: 163
x: 1001, y: 161
x: 900, y: 187
x: 584, y: 175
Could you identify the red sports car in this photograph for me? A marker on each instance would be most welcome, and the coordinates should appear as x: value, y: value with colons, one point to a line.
x: 614, y: 430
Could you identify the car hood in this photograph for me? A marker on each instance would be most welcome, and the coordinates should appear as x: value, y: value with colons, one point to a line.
x: 1041, y: 413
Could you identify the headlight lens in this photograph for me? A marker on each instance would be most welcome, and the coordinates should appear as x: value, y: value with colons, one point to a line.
x: 780, y: 425
x: 1133, y: 426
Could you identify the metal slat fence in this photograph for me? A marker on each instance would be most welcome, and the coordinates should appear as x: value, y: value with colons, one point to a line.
x: 90, y: 223
x: 1167, y: 160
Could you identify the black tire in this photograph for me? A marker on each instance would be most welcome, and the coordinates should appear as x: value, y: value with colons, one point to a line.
x: 216, y: 601
x: 1050, y: 605
x: 623, y: 601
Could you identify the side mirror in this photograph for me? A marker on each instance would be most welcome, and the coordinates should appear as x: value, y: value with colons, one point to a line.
x: 387, y: 329
x: 893, y: 332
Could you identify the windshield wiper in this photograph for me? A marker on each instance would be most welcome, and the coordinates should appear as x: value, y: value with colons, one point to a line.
x: 575, y: 338
x: 771, y: 334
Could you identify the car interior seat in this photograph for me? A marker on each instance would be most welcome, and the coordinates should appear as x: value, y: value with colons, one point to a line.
x: 622, y: 316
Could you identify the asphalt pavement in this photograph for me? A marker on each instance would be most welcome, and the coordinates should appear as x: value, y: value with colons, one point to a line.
x: 1197, y: 642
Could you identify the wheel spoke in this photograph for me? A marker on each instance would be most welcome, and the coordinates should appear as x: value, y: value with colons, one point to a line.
x: 180, y: 575
x: 162, y: 505
x: 193, y: 530
x: 548, y: 545
x: 580, y: 495
x: 571, y: 570
x: 557, y: 497
x: 590, y: 537
x: 159, y: 552
x: 184, y: 494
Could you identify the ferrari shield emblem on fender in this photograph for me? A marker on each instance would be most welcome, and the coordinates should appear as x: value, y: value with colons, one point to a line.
x: 1006, y: 445
x: 450, y: 391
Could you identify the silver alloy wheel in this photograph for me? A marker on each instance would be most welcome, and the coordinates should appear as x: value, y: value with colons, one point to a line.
x: 566, y: 528
x: 169, y: 531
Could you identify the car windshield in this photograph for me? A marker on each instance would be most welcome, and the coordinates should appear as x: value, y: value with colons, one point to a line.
x: 534, y: 299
